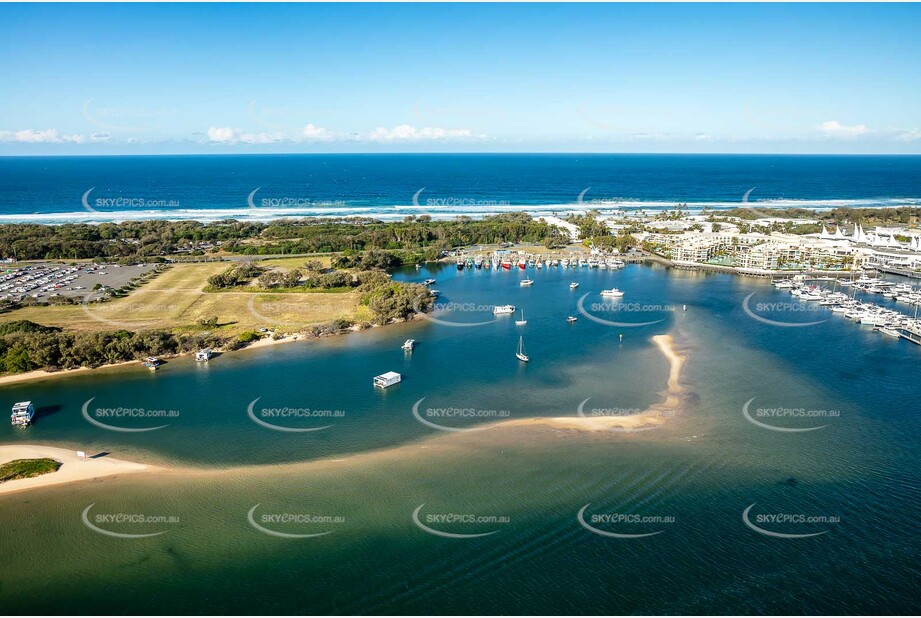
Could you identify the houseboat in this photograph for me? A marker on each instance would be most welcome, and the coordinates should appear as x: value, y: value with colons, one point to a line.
x: 23, y: 413
x: 387, y: 379
x: 203, y: 355
x: 152, y: 363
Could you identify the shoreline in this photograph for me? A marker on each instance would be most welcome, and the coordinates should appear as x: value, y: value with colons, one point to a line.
x: 73, y: 468
x: 43, y: 374
x: 654, y: 416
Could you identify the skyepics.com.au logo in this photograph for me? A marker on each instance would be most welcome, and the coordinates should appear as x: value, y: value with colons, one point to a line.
x: 796, y: 310
x: 128, y: 119
x: 449, y: 525
x: 293, y: 419
x: 121, y: 418
x: 443, y: 311
x: 617, y: 525
x: 598, y: 202
x: 611, y: 308
x: 293, y: 524
x: 436, y: 418
x: 781, y: 525
x: 114, y: 524
x: 120, y: 202
x: 619, y: 412
x: 767, y: 418
x: 455, y: 202
x: 288, y: 201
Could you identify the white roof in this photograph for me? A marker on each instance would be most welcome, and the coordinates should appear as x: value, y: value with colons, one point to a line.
x: 389, y: 375
x: 22, y: 403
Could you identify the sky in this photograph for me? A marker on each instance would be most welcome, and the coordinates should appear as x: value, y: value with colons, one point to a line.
x: 248, y: 78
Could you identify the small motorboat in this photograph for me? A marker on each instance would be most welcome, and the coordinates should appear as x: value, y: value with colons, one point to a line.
x: 571, y: 319
x: 409, y: 344
x: 573, y: 285
x: 525, y: 282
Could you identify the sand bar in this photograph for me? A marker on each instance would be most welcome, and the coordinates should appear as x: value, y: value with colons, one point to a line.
x: 72, y: 467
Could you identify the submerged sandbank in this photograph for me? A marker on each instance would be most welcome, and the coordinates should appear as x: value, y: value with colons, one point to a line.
x: 653, y: 416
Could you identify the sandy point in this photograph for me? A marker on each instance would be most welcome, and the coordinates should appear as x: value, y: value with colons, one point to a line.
x: 650, y: 418
x: 73, y: 468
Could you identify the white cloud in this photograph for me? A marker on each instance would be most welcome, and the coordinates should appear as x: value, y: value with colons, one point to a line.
x: 226, y: 135
x: 406, y: 133
x: 702, y: 137
x: 45, y: 136
x: 833, y: 128
x: 311, y: 132
x: 223, y: 135
x: 100, y: 137
x: 909, y: 135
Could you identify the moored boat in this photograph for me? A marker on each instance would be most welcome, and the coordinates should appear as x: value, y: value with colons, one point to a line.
x: 520, y: 354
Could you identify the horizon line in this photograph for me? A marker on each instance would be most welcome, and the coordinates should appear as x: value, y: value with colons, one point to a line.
x: 468, y: 153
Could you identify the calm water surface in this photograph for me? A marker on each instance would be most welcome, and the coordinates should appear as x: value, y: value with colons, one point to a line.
x: 376, y: 465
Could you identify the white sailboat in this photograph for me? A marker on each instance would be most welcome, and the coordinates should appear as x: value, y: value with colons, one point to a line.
x: 520, y: 353
x: 522, y: 321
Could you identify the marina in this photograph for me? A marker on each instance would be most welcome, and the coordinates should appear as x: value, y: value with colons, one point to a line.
x: 886, y: 321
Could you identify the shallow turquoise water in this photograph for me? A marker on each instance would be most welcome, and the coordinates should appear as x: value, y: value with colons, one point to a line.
x: 703, y: 468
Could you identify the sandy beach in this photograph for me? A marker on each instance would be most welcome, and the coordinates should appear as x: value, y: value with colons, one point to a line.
x: 72, y: 467
x: 654, y: 416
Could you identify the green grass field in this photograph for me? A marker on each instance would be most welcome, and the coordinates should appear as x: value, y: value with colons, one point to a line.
x: 175, y: 300
x: 27, y: 468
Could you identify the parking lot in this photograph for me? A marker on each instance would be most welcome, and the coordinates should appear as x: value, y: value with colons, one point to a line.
x: 43, y: 282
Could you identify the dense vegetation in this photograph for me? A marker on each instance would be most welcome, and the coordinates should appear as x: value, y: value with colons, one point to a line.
x: 143, y: 240
x: 388, y: 300
x: 903, y: 215
x: 27, y: 468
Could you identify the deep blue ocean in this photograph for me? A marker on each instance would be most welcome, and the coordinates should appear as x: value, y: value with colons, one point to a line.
x: 260, y: 187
